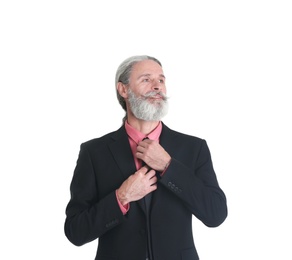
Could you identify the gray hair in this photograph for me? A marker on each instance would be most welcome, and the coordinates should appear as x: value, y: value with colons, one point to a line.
x: 124, y: 72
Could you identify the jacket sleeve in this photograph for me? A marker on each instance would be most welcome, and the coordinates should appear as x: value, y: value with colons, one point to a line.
x: 87, y: 215
x: 197, y: 186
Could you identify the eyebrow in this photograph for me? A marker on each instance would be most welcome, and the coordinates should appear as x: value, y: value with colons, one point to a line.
x: 148, y: 75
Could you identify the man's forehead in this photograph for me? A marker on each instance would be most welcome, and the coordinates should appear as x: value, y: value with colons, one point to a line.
x: 147, y: 67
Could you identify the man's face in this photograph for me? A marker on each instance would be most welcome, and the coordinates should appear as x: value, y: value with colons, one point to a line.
x: 147, y: 76
x: 146, y: 91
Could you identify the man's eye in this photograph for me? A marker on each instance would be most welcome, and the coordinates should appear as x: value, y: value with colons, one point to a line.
x: 145, y: 80
x: 161, y: 81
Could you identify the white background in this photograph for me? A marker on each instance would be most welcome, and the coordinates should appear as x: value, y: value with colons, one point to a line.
x: 228, y: 66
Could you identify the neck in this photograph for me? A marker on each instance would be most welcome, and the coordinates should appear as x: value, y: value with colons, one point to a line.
x: 142, y: 126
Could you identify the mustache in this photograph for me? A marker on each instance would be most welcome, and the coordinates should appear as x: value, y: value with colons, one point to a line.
x: 155, y: 93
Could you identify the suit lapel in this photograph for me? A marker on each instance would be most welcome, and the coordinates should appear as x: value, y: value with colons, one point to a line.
x: 166, y: 141
x: 122, y: 153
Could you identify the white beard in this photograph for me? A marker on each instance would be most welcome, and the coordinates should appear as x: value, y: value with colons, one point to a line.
x: 145, y: 110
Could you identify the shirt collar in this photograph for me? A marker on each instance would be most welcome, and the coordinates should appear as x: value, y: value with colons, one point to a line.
x: 137, y: 136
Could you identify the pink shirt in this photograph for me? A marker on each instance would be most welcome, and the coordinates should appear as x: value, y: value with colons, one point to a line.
x: 134, y: 138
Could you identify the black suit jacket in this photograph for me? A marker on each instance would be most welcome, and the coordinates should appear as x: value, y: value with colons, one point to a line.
x: 188, y: 187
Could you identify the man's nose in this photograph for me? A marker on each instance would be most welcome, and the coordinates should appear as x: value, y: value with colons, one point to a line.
x: 156, y: 85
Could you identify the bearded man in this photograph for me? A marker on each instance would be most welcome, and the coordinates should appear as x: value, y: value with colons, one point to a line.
x: 136, y: 189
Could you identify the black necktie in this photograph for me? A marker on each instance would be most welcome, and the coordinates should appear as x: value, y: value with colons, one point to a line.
x: 148, y: 197
x: 147, y: 200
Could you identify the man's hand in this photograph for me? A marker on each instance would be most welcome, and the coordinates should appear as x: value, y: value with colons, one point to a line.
x: 137, y: 185
x: 153, y: 154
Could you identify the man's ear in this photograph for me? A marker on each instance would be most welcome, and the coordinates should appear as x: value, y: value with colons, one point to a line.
x: 122, y: 89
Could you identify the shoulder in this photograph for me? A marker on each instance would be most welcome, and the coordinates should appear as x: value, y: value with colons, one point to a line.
x: 173, y: 134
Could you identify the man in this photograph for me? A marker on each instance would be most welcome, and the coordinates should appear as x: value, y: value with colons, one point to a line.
x: 137, y: 188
